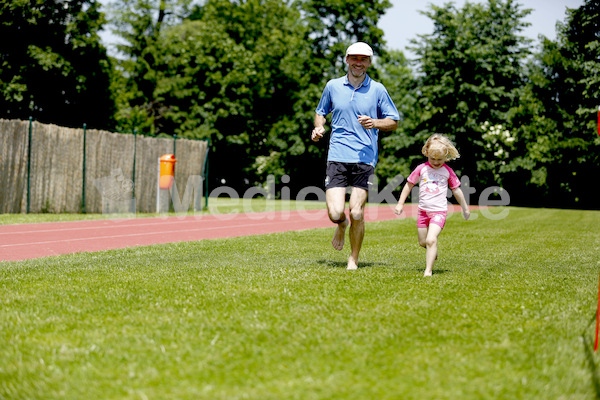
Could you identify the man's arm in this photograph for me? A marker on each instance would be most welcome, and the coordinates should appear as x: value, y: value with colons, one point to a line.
x: 385, y: 124
x: 319, y: 130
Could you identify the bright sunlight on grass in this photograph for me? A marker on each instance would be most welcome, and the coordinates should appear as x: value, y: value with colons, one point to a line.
x: 505, y: 316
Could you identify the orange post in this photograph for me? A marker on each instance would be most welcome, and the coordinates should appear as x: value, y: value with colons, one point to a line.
x: 167, y: 171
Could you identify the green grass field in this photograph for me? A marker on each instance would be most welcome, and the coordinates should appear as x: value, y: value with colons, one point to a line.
x: 506, y: 316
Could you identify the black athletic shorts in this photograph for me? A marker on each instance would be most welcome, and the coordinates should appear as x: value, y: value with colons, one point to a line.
x: 348, y: 175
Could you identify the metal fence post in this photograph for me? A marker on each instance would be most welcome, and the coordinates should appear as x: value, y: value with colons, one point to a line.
x: 83, y: 179
x: 29, y: 164
x: 206, y: 174
x: 134, y: 156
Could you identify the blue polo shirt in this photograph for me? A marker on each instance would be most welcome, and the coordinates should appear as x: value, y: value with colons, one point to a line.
x: 350, y: 142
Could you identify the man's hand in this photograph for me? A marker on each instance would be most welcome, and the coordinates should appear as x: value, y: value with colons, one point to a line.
x: 317, y: 133
x: 366, y: 121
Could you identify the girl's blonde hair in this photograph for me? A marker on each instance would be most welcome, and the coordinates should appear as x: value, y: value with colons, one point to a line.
x: 440, y: 145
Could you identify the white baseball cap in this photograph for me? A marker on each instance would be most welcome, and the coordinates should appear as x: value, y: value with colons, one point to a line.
x: 359, y: 49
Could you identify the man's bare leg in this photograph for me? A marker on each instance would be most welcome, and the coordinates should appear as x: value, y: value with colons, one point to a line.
x: 357, y: 233
x: 336, y: 202
x: 358, y: 198
x: 339, y: 236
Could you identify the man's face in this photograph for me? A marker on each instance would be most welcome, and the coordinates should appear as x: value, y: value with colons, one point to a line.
x: 358, y: 64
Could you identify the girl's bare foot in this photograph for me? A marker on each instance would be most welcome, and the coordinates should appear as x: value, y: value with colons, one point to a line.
x: 352, y: 264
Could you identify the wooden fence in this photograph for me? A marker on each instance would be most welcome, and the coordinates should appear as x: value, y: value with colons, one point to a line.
x: 47, y: 168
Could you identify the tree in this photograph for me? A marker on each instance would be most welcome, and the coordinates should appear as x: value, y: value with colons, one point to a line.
x: 396, y: 74
x: 557, y: 123
x: 233, y: 73
x: 334, y: 24
x: 52, y: 65
x: 469, y: 72
x: 140, y: 23
x: 243, y: 73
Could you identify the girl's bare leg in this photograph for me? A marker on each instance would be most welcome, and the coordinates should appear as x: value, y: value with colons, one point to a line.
x: 431, y: 242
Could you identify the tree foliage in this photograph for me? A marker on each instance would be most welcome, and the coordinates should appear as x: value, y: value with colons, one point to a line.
x: 556, y: 119
x: 242, y: 64
x: 139, y: 24
x: 469, y: 71
x: 396, y: 74
x: 248, y: 74
x: 52, y: 64
x: 522, y: 120
x: 245, y: 74
x: 334, y: 24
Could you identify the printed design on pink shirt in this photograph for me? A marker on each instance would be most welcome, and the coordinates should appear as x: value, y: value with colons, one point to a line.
x: 431, y: 184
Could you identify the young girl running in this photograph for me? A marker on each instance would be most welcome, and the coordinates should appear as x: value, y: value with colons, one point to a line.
x: 434, y: 177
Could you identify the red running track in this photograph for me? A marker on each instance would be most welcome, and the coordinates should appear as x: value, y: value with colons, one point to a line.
x: 27, y: 241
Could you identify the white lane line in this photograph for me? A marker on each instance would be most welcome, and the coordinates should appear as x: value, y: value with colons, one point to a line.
x: 179, y: 231
x: 161, y: 223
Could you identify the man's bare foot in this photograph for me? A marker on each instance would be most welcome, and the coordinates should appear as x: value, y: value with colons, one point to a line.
x: 339, y: 235
x: 352, y: 265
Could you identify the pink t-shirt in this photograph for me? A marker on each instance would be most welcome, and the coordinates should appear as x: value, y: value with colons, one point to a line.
x: 433, y: 186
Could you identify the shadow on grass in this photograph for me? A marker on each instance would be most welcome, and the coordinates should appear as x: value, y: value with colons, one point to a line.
x: 344, y: 264
x: 591, y: 360
x: 437, y: 271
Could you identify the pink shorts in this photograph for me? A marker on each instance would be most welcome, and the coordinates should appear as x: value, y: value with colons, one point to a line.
x: 431, y: 217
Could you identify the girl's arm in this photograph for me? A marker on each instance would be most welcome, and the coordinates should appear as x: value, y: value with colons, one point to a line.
x: 403, y: 196
x: 460, y: 197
